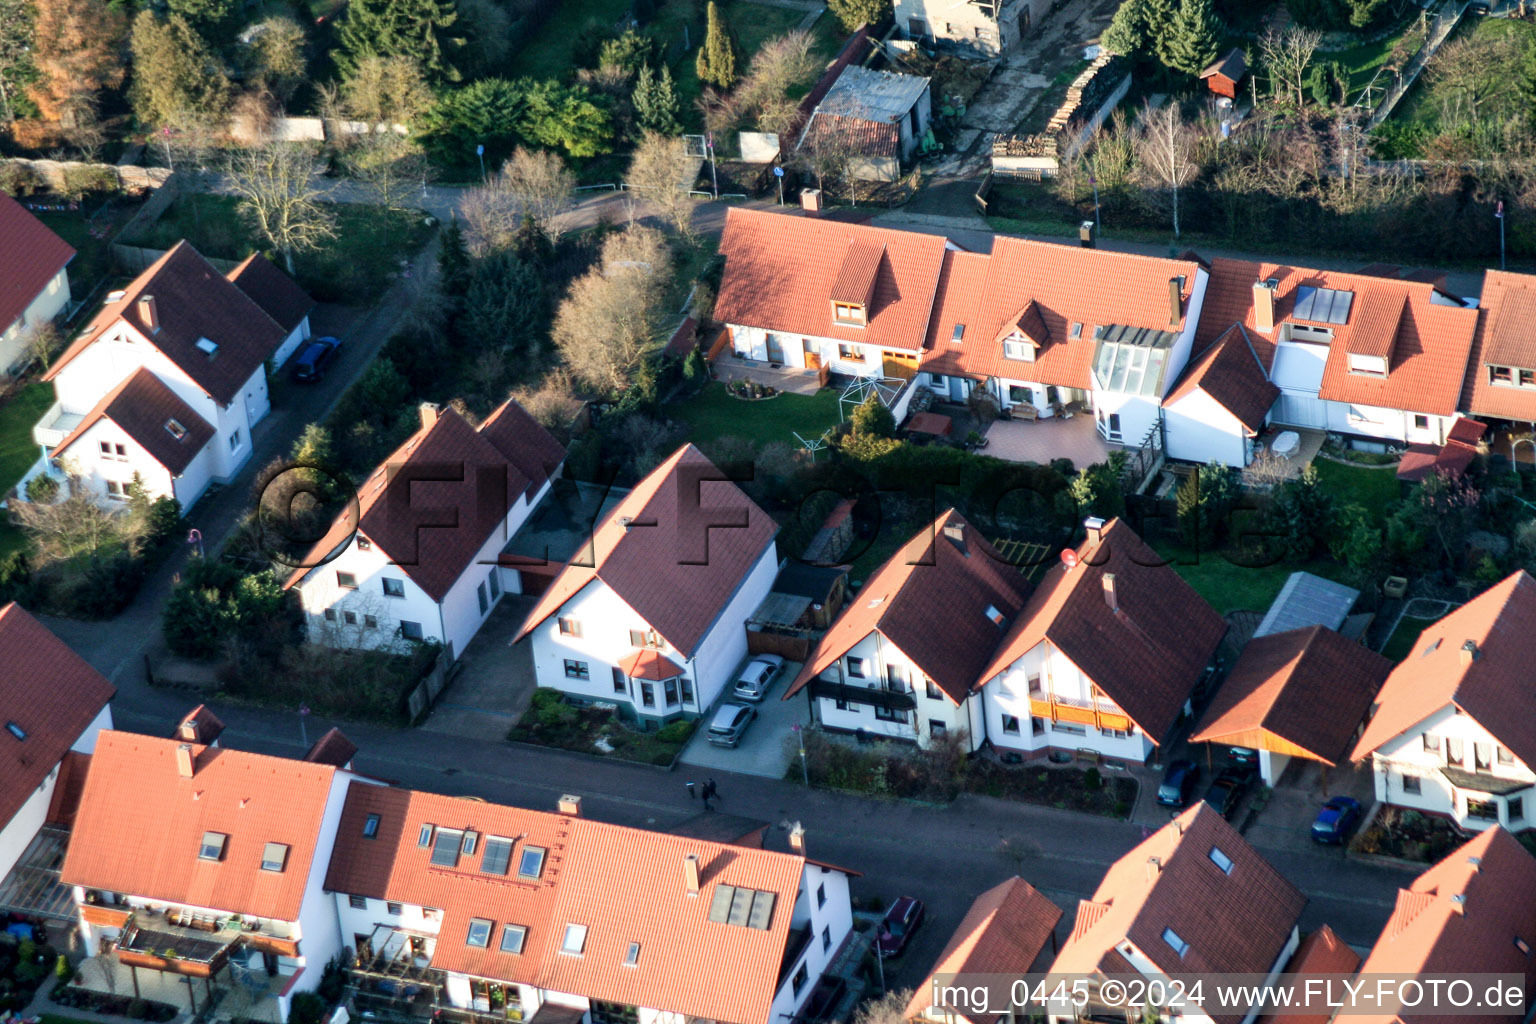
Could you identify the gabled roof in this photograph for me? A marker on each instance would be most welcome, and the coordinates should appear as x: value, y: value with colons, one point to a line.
x: 873, y: 95
x: 1148, y: 654
x: 931, y: 601
x: 274, y: 291
x: 645, y: 663
x: 333, y: 749
x: 624, y: 885
x: 1320, y: 954
x: 1309, y: 688
x: 855, y: 281
x: 1428, y: 334
x: 30, y: 256
x: 860, y: 136
x: 141, y: 825
x: 508, y: 457
x: 1464, y: 914
x: 779, y: 269
x: 1506, y: 336
x: 1451, y: 458
x: 675, y: 550
x: 151, y: 414
x: 1230, y: 372
x: 200, y: 725
x: 1006, y: 929
x: 1493, y: 685
x: 193, y: 302
x: 1067, y: 286
x: 48, y: 692
x: 1235, y: 921
x: 1233, y: 66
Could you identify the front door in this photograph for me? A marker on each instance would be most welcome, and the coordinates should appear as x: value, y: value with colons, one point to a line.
x: 812, y: 356
x: 957, y: 389
x: 775, y: 349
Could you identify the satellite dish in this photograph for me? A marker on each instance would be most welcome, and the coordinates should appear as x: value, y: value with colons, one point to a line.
x: 1068, y: 558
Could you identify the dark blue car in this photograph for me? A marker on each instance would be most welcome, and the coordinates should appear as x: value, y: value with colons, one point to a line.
x: 1178, y: 783
x: 1335, y: 821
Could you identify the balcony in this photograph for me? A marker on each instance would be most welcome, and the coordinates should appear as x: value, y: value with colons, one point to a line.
x: 1101, y: 714
x: 872, y: 694
x: 55, y: 426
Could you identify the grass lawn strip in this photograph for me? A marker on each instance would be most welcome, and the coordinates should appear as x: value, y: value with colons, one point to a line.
x: 713, y: 414
x: 1373, y: 488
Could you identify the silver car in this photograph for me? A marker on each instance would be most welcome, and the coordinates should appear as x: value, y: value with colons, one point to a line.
x: 758, y: 675
x: 729, y: 723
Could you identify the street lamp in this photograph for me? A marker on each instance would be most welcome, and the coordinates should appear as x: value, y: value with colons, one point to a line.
x: 480, y: 152
x: 805, y: 772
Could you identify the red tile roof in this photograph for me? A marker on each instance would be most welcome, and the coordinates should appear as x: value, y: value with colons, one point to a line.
x: 1309, y: 688
x: 648, y: 664
x: 780, y: 268
x: 426, y: 506
x: 1494, y: 687
x: 1463, y: 915
x: 1147, y: 654
x: 1320, y: 954
x: 141, y: 824
x: 274, y: 291
x: 1429, y: 340
x: 144, y: 407
x: 624, y: 885
x: 333, y: 749
x: 192, y: 301
x: 1506, y: 336
x: 65, y: 802
x: 1230, y: 372
x: 30, y: 257
x: 1047, y: 287
x: 199, y: 725
x: 675, y: 550
x: 861, y: 136
x: 930, y: 600
x: 1235, y: 921
x: 50, y: 693
x: 1451, y: 458
x: 1006, y: 929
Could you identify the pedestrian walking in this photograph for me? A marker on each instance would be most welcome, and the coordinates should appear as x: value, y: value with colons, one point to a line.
x: 710, y: 792
x: 706, y: 799
x: 693, y: 795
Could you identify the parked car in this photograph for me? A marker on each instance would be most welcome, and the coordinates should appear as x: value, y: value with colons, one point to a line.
x: 758, y: 675
x: 1228, y: 790
x: 1178, y: 786
x: 1336, y: 820
x: 899, y: 924
x: 1243, y: 757
x: 313, y: 359
x: 729, y: 723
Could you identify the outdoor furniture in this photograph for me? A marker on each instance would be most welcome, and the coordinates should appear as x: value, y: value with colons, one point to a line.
x: 1025, y: 411
x: 1286, y: 444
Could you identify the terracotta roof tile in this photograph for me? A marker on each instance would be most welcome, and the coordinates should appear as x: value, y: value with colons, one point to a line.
x: 30, y: 256
x: 50, y: 693
x: 645, y: 663
x: 1308, y: 687
x: 1235, y: 921
x: 1494, y: 688
x: 141, y: 824
x: 675, y: 550
x: 855, y: 281
x: 274, y: 291
x: 860, y: 135
x: 1506, y: 336
x: 779, y: 270
x: 192, y: 301
x: 147, y: 410
x: 1147, y: 655
x: 333, y: 749
x: 1451, y: 458
x: 1230, y: 372
x: 931, y: 600
x: 1320, y: 954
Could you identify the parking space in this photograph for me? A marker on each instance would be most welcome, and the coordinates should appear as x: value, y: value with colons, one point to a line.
x: 765, y: 749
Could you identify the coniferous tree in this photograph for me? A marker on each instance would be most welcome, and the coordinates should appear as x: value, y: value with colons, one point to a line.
x: 716, y: 62
x: 655, y: 99
x: 1193, y: 38
x: 174, y: 71
x: 1159, y: 21
x: 423, y: 30
x: 1127, y: 31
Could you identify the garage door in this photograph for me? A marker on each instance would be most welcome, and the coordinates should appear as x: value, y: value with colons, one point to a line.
x: 1300, y: 411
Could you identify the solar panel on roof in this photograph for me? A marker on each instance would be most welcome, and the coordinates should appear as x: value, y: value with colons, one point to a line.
x: 762, y: 911
x: 1306, y: 297
x: 741, y: 907
x: 720, y: 903
x: 1341, y: 303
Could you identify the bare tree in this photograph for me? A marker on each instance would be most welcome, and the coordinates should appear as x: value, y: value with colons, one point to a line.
x: 610, y: 321
x: 1287, y: 55
x: 278, y: 188
x: 553, y: 403
x: 386, y: 90
x: 827, y: 154
x: 75, y: 525
x: 42, y: 341
x: 1166, y: 153
x: 890, y: 1008
x: 660, y: 171
x: 389, y: 164
x: 542, y: 186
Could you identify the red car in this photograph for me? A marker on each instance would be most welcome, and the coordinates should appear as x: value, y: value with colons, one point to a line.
x: 899, y: 924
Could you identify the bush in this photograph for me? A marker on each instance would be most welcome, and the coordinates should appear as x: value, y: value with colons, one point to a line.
x: 17, y: 178
x: 62, y: 970
x: 1092, y: 780
x: 43, y: 489
x: 306, y: 1008
x: 675, y: 732
x: 86, y: 178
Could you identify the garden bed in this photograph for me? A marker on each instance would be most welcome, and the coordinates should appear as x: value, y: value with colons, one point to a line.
x: 1407, y: 835
x: 1090, y: 790
x: 552, y: 721
x: 78, y: 998
x: 24, y: 965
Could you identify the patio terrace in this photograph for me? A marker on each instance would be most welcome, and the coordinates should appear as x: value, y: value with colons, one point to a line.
x: 1040, y: 441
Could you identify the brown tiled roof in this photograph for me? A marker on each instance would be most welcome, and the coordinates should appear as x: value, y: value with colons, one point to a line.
x: 779, y: 270
x: 1234, y: 922
x: 1147, y: 655
x: 625, y: 885
x: 199, y: 725
x: 861, y: 136
x: 1464, y: 915
x: 855, y: 281
x: 1230, y: 372
x: 144, y: 407
x: 1506, y: 336
x: 192, y: 301
x: 1320, y: 954
x: 675, y: 550
x: 1429, y: 345
x: 1494, y: 687
x: 141, y: 825
x: 30, y: 256
x: 441, y: 476
x: 1066, y: 285
x: 333, y: 749
x: 67, y: 789
x: 929, y: 600
x: 1308, y: 687
x: 1006, y: 929
x: 1234, y: 65
x: 1452, y: 458
x: 50, y: 693
x: 274, y: 291
x: 645, y: 663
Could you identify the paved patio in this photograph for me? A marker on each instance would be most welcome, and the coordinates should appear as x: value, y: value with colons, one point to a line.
x: 1043, y: 440
x: 239, y: 992
x: 785, y: 378
x: 1311, y: 444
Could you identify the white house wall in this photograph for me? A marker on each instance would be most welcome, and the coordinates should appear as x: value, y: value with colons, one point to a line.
x: 94, y: 470
x: 1387, y: 424
x: 23, y: 826
x: 1008, y: 694
x: 752, y: 343
x: 725, y: 644
x: 1200, y: 429
x: 1405, y: 754
x: 44, y: 308
x: 877, y: 654
x: 290, y: 345
x: 835, y: 918
x: 319, y: 591
x: 319, y: 931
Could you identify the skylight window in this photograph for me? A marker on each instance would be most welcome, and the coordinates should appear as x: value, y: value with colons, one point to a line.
x: 445, y: 848
x: 424, y: 837
x: 479, y: 932
x: 16, y: 730
x: 497, y: 855
x: 468, y: 847
x: 274, y: 857
x: 371, y: 827
x: 512, y: 938
x: 1522, y: 945
x: 1221, y: 860
x: 1075, y: 331
x: 212, y: 847
x: 208, y: 347
x: 575, y: 939
x: 632, y: 955
x: 995, y: 614
x: 175, y: 429
x: 1172, y: 938
x: 958, y: 336
x: 532, y: 863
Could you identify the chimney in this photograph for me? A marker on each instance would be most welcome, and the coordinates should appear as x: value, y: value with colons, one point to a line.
x: 1264, y: 304
x: 1469, y: 652
x: 1085, y: 235
x: 569, y: 805
x: 691, y: 874
x: 184, y: 760
x: 956, y: 534
x: 1094, y: 526
x: 149, y: 314
x: 810, y: 200
x: 624, y: 521
x: 1459, y: 904
x: 1154, y: 866
x: 1175, y: 302
x: 1109, y: 592
x: 797, y: 838
x: 429, y: 414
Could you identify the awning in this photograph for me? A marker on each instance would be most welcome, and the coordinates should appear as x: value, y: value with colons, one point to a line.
x: 645, y: 663
x: 1479, y: 782
x: 33, y: 888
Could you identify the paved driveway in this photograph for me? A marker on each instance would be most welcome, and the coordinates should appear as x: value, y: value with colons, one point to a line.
x: 765, y: 749
x: 495, y: 681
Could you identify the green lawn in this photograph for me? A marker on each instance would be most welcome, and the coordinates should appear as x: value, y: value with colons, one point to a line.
x: 713, y: 414
x: 548, y: 54
x: 1373, y: 488
x: 1423, y: 104
x: 1401, y: 642
x: 18, y: 452
x: 1229, y: 587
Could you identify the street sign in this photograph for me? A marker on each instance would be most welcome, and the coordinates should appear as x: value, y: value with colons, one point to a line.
x: 778, y: 172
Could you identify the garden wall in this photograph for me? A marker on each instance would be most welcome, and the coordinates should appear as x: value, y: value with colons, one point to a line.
x: 52, y: 173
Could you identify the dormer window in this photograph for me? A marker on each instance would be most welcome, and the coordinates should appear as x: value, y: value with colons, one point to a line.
x: 1371, y: 366
x: 1511, y: 377
x: 1017, y: 348
x: 849, y: 314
